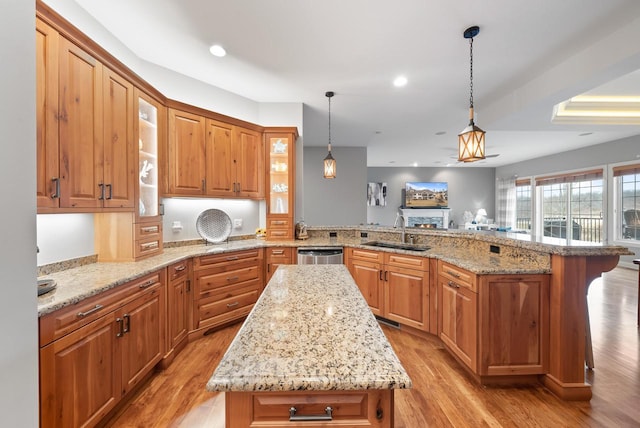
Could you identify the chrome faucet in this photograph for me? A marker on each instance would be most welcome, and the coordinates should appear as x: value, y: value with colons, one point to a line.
x: 404, y: 231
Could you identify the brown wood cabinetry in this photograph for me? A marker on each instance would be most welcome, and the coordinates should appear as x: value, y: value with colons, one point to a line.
x: 210, y: 157
x: 226, y: 286
x: 178, y: 306
x: 497, y: 325
x: 280, y: 147
x: 396, y: 286
x: 276, y: 256
x: 93, y: 353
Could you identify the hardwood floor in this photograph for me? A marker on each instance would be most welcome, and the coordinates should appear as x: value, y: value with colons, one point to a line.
x: 442, y: 396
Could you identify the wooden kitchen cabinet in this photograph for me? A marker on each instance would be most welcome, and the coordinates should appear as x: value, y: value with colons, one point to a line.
x: 276, y: 256
x: 226, y: 286
x: 85, y: 129
x: 458, y: 307
x: 234, y: 162
x: 396, y: 286
x: 178, y: 306
x: 186, y: 162
x: 94, y: 352
x: 280, y: 144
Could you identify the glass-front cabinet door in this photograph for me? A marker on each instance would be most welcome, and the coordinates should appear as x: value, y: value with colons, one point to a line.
x: 280, y: 144
x: 147, y: 159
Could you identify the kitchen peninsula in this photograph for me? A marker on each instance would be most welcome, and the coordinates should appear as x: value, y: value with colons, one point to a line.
x: 524, y: 302
x: 310, y: 350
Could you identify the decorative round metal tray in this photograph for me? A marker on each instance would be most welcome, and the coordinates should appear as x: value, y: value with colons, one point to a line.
x: 214, y: 225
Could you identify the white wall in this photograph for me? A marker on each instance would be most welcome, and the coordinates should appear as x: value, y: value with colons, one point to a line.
x: 64, y: 237
x: 18, y: 307
x: 340, y: 201
x: 469, y: 190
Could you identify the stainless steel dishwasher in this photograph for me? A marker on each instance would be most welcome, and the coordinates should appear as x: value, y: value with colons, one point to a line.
x: 319, y: 255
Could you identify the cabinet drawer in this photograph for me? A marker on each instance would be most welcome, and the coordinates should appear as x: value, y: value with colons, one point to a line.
x: 411, y: 262
x: 279, y: 255
x: 148, y: 230
x: 179, y: 269
x: 281, y: 234
x: 208, y: 282
x: 279, y: 223
x: 229, y: 302
x: 458, y: 275
x: 147, y: 247
x: 62, y: 322
x: 228, y: 260
x: 371, y: 408
x: 370, y: 255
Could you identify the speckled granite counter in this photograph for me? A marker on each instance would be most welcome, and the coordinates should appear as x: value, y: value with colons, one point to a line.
x: 310, y: 330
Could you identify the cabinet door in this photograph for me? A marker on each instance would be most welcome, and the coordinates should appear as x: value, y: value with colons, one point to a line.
x: 368, y: 277
x: 249, y: 163
x: 407, y: 297
x: 458, y: 321
x: 80, y: 128
x: 514, y: 324
x: 220, y: 164
x: 143, y: 336
x: 186, y: 153
x: 119, y: 154
x: 178, y: 303
x: 47, y: 178
x: 79, y: 377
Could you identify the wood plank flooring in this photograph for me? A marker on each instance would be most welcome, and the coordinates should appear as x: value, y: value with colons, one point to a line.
x: 443, y: 395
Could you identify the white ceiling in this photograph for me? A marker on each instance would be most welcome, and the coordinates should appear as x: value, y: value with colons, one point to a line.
x: 529, y: 56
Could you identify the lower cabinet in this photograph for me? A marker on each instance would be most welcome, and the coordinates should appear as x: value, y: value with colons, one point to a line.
x: 276, y: 256
x: 179, y: 298
x: 93, y: 353
x: 497, y: 325
x: 226, y: 286
x: 396, y: 286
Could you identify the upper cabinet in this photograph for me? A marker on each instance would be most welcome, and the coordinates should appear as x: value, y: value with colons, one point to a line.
x: 208, y: 157
x: 280, y: 182
x: 151, y: 121
x: 84, y: 127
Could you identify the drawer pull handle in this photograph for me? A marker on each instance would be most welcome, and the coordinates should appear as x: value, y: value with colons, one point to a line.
x: 96, y: 308
x: 278, y: 252
x: 453, y: 274
x: 231, y: 305
x: 148, y: 283
x: 180, y: 268
x: 149, y: 229
x: 453, y: 284
x: 233, y: 278
x: 149, y: 245
x: 230, y: 259
x: 279, y: 223
x: 327, y: 416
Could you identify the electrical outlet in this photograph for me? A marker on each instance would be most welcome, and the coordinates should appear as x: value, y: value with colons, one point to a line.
x: 237, y: 223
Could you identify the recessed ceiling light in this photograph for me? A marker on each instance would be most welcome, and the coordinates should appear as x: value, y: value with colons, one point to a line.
x: 400, y: 81
x: 217, y: 50
x: 415, y: 164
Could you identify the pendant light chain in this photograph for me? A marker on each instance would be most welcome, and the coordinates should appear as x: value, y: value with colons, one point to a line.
x: 471, y: 72
x: 329, y: 123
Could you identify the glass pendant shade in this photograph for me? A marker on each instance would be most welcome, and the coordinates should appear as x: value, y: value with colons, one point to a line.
x: 471, y: 143
x: 329, y: 166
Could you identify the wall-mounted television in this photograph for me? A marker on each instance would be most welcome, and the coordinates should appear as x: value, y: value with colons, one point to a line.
x: 428, y: 194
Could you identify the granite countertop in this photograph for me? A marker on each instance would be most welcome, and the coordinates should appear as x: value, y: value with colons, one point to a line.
x: 311, y: 329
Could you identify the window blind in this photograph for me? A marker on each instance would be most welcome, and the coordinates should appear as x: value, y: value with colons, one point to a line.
x: 626, y: 170
x: 593, y: 174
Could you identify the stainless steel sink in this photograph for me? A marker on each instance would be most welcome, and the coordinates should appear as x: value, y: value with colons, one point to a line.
x: 397, y: 245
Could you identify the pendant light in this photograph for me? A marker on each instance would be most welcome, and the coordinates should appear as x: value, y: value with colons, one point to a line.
x: 471, y: 139
x: 329, y: 161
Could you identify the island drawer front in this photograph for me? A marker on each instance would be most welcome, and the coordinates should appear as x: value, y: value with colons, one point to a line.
x: 228, y: 260
x: 212, y: 281
x: 229, y: 302
x: 348, y: 408
x: 458, y: 276
x: 63, y: 321
x: 279, y: 255
x: 360, y: 254
x: 411, y: 262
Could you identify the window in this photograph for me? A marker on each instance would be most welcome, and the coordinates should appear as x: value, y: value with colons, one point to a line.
x: 572, y: 205
x: 523, y: 204
x: 627, y: 194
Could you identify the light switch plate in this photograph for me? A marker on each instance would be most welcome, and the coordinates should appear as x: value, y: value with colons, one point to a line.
x: 237, y: 223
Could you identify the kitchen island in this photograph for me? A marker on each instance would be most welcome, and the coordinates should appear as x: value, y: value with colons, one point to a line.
x: 310, y: 350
